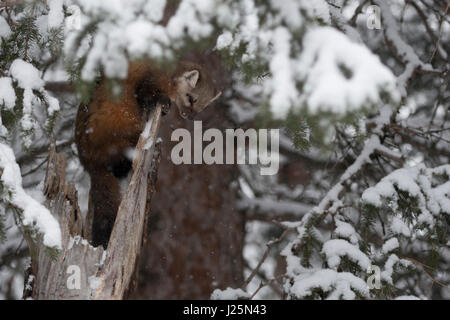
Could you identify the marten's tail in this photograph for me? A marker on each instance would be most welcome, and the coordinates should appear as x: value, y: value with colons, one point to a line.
x: 105, y: 198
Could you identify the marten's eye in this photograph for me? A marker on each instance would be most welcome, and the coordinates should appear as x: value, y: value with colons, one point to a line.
x: 190, y: 98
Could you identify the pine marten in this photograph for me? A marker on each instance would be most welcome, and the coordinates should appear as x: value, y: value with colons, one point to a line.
x: 109, y: 127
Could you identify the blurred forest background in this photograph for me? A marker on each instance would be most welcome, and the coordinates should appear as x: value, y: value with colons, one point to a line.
x: 360, y: 90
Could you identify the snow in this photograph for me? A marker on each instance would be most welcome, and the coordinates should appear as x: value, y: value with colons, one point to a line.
x: 390, y: 245
x: 336, y: 248
x: 386, y: 274
x: 148, y: 125
x: 27, y: 76
x: 189, y: 18
x: 293, y: 11
x: 5, y: 30
x: 317, y: 8
x: 385, y: 188
x: 426, y: 217
x: 418, y: 182
x: 7, y: 93
x: 34, y: 213
x: 155, y: 9
x: 341, y: 19
x: 329, y: 71
x: 406, y: 298
x: 53, y: 104
x: 388, y: 269
x: 229, y: 294
x: 224, y: 40
x: 290, y: 11
x: 404, y: 50
x: 140, y: 35
x: 55, y: 13
x: 124, y: 32
x: 148, y: 144
x: 112, y: 8
x: 227, y: 16
x: 30, y: 280
x: 370, y: 146
x: 346, y: 230
x: 342, y: 285
x: 97, y: 51
x: 3, y: 130
x: 398, y: 226
x: 327, y: 53
x: 301, y: 282
x: 290, y: 224
x: 441, y: 193
x: 284, y: 92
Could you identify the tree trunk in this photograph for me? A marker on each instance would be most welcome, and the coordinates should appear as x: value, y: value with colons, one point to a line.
x: 197, y: 233
x: 80, y: 271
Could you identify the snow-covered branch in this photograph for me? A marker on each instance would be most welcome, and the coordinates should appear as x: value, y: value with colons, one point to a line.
x: 403, y: 50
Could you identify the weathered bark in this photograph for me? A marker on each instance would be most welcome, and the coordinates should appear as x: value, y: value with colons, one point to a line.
x: 104, y: 274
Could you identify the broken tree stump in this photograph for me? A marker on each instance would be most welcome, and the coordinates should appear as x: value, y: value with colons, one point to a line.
x: 80, y: 271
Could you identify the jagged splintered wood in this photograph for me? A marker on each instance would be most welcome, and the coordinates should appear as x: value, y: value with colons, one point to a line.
x: 81, y: 271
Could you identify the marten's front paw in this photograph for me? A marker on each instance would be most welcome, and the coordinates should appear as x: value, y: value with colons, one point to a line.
x: 165, y: 103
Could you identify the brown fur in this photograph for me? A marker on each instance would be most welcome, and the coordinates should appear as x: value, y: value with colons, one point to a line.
x: 109, y: 126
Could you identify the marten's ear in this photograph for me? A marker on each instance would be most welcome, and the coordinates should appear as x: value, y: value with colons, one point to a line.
x: 191, y: 77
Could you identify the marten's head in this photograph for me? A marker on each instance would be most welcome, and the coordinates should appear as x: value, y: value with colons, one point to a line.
x: 193, y: 90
